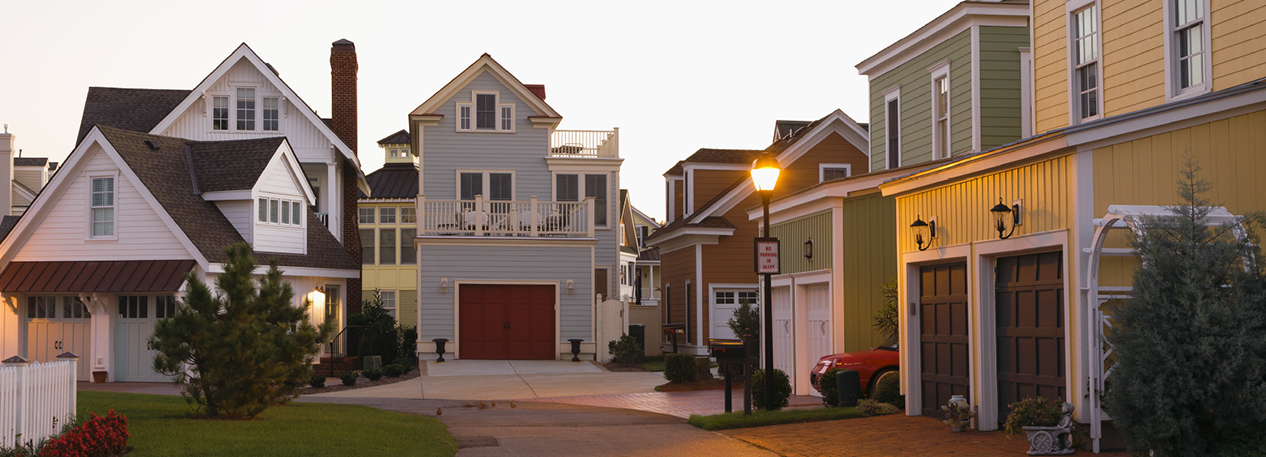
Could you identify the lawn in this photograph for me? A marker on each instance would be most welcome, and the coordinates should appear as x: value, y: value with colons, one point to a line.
x: 761, y: 418
x: 160, y: 426
x: 655, y: 363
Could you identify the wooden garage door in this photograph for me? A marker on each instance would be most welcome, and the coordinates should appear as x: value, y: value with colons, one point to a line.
x: 507, y: 322
x: 1030, y: 317
x: 943, y: 335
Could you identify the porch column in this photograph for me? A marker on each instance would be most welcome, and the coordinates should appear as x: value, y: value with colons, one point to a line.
x: 101, y: 350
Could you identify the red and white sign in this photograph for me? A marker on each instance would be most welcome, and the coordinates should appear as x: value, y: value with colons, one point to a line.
x: 767, y: 256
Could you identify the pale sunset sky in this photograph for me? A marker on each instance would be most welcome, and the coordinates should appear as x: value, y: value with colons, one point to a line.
x: 674, y: 76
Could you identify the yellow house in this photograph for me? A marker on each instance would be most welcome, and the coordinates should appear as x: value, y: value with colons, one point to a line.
x: 388, y: 224
x: 1123, y: 91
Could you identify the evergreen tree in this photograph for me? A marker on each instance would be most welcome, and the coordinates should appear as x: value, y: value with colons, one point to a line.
x: 242, y: 349
x: 746, y: 321
x: 1190, y: 375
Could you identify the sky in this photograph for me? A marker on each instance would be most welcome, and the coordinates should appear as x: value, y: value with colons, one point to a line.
x: 674, y: 76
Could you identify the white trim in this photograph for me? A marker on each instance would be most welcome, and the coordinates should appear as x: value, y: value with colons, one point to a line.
x: 948, y: 24
x: 699, y: 300
x: 225, y: 195
x: 1072, y: 7
x: 848, y: 169
x: 891, y: 94
x: 671, y: 192
x: 909, y: 331
x: 689, y: 191
x: 715, y: 166
x: 1172, y: 92
x: 1167, y: 121
x: 447, y: 240
x: 457, y: 309
x: 852, y: 187
x: 114, y: 198
x: 975, y: 90
x: 1026, y: 92
x: 936, y: 72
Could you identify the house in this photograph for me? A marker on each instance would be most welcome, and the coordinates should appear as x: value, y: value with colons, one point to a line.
x: 647, y: 274
x: 946, y: 90
x: 1118, y: 104
x: 388, y: 225
x: 102, y: 252
x: 639, y: 273
x: 706, y: 248
x: 518, y: 229
x: 27, y: 175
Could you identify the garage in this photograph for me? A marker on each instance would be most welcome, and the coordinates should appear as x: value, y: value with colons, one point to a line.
x: 1030, y: 328
x: 943, y: 335
x: 133, y: 355
x: 58, y: 324
x: 507, y: 322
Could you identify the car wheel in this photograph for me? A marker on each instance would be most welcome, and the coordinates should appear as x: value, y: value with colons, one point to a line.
x: 874, y: 380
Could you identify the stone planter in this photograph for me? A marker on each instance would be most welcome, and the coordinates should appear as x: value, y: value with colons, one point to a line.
x: 1049, y: 440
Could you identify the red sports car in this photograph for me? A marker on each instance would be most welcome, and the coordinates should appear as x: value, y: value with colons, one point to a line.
x: 869, y: 365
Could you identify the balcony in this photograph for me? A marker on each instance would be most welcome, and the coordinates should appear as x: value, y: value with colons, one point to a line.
x: 585, y: 144
x: 530, y: 218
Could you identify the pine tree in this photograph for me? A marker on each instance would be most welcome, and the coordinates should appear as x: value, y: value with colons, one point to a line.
x: 243, y: 349
x: 1190, y: 375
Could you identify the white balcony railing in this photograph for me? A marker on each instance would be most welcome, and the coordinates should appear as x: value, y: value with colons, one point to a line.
x: 585, y: 144
x: 530, y: 218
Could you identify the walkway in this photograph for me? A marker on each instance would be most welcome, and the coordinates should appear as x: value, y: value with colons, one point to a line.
x: 500, y: 380
x: 678, y: 404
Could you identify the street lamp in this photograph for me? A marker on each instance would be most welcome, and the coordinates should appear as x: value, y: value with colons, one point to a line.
x: 765, y: 172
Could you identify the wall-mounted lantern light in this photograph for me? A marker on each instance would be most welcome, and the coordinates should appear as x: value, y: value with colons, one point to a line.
x: 924, y: 232
x: 808, y: 249
x: 571, y: 286
x: 1003, y: 212
x: 443, y: 285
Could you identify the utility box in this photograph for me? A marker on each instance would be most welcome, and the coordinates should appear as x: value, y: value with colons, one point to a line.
x: 638, y: 332
x: 850, y: 387
x: 373, y: 362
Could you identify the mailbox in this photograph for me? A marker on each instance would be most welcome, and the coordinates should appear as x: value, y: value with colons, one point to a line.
x: 674, y: 329
x: 727, y: 351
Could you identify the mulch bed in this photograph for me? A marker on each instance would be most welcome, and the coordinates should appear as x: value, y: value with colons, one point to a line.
x: 711, y: 384
x: 334, y: 384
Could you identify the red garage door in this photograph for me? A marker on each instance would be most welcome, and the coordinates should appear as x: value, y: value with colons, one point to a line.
x: 943, y: 335
x: 507, y: 322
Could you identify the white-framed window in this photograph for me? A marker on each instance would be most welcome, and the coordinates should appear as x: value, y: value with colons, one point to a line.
x: 735, y: 297
x: 263, y: 210
x: 1085, y: 49
x: 387, y: 215
x: 493, y: 185
x: 1187, y: 47
x: 568, y: 188
x: 367, y: 246
x: 485, y: 113
x: 387, y: 246
x: 220, y: 112
x: 892, y: 127
x: 940, y: 111
x: 101, y: 206
x: 165, y: 306
x: 829, y: 171
x: 272, y: 113
x: 366, y: 215
x: 388, y: 300
x: 279, y: 211
x: 408, y: 215
x: 246, y: 108
x: 297, y: 214
x: 408, y: 253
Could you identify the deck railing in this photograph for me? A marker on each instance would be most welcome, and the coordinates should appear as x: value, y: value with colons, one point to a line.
x: 36, y: 399
x: 523, y: 218
x: 587, y: 144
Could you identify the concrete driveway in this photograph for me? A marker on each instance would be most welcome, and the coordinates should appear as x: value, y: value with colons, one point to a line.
x: 509, y: 380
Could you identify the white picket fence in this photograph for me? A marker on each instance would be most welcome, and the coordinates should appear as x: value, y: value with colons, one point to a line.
x: 36, y: 399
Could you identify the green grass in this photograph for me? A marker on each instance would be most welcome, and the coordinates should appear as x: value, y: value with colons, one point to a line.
x: 161, y: 426
x: 655, y: 363
x: 761, y: 418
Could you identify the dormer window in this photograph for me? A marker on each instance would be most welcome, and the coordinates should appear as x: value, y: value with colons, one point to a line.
x: 280, y: 212
x: 220, y: 113
x: 271, y: 111
x: 246, y: 108
x: 489, y: 114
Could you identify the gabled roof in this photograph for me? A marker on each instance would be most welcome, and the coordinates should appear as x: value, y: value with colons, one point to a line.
x: 393, y: 181
x: 30, y: 161
x: 138, y: 110
x: 231, y: 165
x: 1013, y: 13
x: 711, y: 155
x: 6, y: 225
x: 486, y: 63
x: 401, y: 137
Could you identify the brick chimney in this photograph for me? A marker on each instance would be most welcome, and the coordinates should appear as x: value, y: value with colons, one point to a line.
x: 343, y: 69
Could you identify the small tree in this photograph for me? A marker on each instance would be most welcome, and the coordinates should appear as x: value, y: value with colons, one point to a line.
x: 746, y: 321
x: 886, y: 318
x: 379, y: 336
x: 238, y: 351
x: 1191, y: 343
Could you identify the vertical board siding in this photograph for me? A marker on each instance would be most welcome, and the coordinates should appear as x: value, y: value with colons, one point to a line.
x: 870, y: 259
x: 792, y: 235
x: 1237, y: 32
x: 961, y: 209
x: 1133, y: 56
x: 62, y: 234
x: 278, y: 180
x: 505, y: 263
x: 999, y: 86
x: 916, y: 102
x: 1050, y: 65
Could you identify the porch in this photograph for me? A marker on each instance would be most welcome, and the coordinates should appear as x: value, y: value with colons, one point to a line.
x: 585, y: 144
x: 507, y: 218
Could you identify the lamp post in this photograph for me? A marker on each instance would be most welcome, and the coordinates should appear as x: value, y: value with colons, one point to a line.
x: 765, y: 176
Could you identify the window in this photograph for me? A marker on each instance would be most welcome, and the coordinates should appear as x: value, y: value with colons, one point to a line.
x: 278, y: 211
x: 388, y: 301
x: 285, y: 213
x: 892, y: 119
x: 507, y: 117
x: 273, y: 210
x: 1085, y: 49
x: 366, y: 215
x: 1188, y: 45
x: 489, y: 114
x: 271, y: 113
x: 246, y: 108
x: 492, y: 185
x: 472, y: 184
x: 829, y: 171
x: 102, y: 207
x: 567, y: 188
x: 387, y: 215
x: 387, y: 246
x: 642, y: 232
x: 464, y: 117
x: 263, y: 210
x: 596, y: 186
x: 500, y: 186
x: 296, y: 213
x: 134, y: 306
x: 940, y: 111
x: 408, y: 215
x: 736, y: 297
x: 367, y: 246
x: 220, y: 112
x: 485, y: 111
x: 40, y: 308
x: 74, y: 308
x: 165, y: 306
x: 408, y: 253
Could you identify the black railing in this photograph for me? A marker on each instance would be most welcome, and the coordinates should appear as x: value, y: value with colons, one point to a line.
x: 353, y: 344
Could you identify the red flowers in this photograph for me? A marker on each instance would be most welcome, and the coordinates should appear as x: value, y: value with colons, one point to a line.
x: 97, y: 437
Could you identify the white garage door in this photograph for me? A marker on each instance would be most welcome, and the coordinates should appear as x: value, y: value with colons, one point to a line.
x: 58, y: 324
x: 724, y: 302
x: 133, y: 358
x: 784, y: 334
x: 819, y: 331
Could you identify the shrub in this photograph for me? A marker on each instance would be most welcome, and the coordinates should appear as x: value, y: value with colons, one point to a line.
x: 406, y: 361
x: 626, y: 350
x: 373, y: 375
x: 886, y: 316
x: 679, y: 367
x: 242, y: 349
x: 782, y: 389
x: 394, y: 370
x: 746, y: 321
x: 888, y: 389
x: 1030, y: 411
x: 98, y: 436
x: 317, y: 381
x: 829, y: 388
x: 875, y: 408
x: 348, y: 377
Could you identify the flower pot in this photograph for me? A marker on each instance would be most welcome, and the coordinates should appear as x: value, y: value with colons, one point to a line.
x: 1046, y: 440
x: 956, y: 428
x: 99, y: 376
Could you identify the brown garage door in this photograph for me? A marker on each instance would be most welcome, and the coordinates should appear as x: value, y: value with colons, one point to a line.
x: 1030, y: 317
x: 943, y: 335
x: 507, y: 322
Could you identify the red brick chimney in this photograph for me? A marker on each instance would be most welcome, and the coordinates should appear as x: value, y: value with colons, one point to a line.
x: 343, y: 69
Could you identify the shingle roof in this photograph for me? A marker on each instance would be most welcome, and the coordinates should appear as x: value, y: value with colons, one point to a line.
x: 393, y: 180
x: 231, y: 165
x: 6, y: 225
x: 648, y: 254
x: 30, y: 161
x: 138, y: 110
x: 165, y: 173
x: 401, y: 137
